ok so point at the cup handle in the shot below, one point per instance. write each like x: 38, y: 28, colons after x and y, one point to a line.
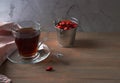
x: 43, y: 40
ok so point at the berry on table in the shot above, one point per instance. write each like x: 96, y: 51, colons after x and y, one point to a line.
x: 49, y: 68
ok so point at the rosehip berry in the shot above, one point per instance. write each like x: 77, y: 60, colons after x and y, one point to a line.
x: 66, y: 28
x: 67, y: 23
x: 62, y: 23
x: 74, y: 25
x: 58, y: 26
x: 49, y: 68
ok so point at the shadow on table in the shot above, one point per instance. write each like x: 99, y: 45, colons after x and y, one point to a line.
x: 3, y: 68
x: 54, y: 60
x: 86, y: 43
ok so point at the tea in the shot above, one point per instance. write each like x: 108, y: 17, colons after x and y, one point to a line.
x: 27, y: 40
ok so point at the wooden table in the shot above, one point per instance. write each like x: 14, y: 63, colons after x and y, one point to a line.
x: 95, y: 58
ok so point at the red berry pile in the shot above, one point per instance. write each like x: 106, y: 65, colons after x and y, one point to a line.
x: 66, y: 25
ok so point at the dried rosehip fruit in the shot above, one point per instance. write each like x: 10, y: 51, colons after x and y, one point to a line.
x: 62, y: 23
x: 66, y: 28
x: 49, y: 68
x: 58, y: 26
x: 75, y: 25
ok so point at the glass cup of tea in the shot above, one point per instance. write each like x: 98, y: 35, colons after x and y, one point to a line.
x: 27, y: 36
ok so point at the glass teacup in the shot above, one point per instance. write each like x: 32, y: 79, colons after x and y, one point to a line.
x: 30, y: 48
x: 27, y: 38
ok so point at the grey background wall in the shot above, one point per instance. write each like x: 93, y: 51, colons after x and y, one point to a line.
x: 94, y: 15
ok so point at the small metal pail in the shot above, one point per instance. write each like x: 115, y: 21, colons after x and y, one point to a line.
x: 66, y: 38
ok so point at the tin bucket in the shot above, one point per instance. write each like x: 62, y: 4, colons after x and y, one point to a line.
x: 66, y: 38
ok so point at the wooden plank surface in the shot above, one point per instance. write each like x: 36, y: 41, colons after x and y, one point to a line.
x: 95, y: 58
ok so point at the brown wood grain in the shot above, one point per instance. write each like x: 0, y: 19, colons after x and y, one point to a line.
x: 94, y: 58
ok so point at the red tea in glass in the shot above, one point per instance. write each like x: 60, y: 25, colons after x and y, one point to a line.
x: 27, y: 40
